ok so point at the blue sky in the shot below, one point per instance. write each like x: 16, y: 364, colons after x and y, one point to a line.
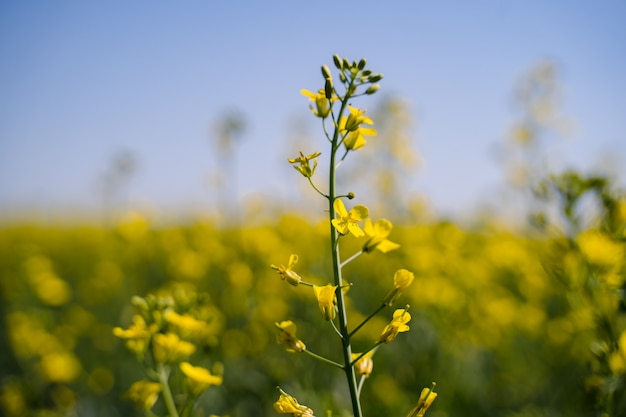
x: 81, y: 81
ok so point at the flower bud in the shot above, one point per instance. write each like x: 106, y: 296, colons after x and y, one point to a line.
x: 326, y: 72
x: 328, y: 88
x: 372, y: 89
x: 401, y: 281
x: 362, y: 63
x: 338, y: 62
x: 375, y: 78
x: 350, y: 195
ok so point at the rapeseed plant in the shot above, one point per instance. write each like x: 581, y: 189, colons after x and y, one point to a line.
x: 345, y: 126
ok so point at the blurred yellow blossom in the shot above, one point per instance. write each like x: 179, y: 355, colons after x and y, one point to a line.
x: 347, y: 221
x: 287, y: 336
x: 327, y: 299
x: 600, y: 249
x: 144, y: 393
x: 61, y: 367
x: 377, y: 233
x: 287, y: 404
x: 186, y: 325
x: 397, y: 325
x: 136, y: 336
x: 365, y: 364
x: 199, y: 379
x: 170, y: 348
x: 287, y: 273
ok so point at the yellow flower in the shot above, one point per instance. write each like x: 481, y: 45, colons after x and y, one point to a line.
x: 286, y: 272
x: 398, y: 325
x: 199, y: 379
x: 364, y: 365
x: 186, y: 325
x: 427, y: 397
x: 287, y: 336
x: 61, y: 367
x: 136, y: 336
x: 600, y: 249
x: 305, y: 167
x: 378, y: 233
x: 287, y: 404
x: 327, y: 299
x: 144, y: 393
x: 401, y: 281
x: 322, y: 104
x: 347, y: 221
x: 170, y: 348
x: 351, y: 127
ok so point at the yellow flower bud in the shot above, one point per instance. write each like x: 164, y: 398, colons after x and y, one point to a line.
x: 401, y: 281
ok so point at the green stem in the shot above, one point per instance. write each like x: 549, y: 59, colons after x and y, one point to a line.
x: 323, y: 359
x: 350, y: 259
x: 167, y: 394
x: 316, y: 189
x: 365, y: 353
x: 334, y: 237
x: 367, y: 319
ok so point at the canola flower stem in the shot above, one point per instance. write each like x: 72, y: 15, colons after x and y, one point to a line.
x: 360, y: 387
x: 316, y: 189
x: 323, y: 359
x: 336, y: 260
x: 167, y: 394
x: 365, y: 353
x: 367, y: 319
x: 336, y: 329
x: 350, y: 259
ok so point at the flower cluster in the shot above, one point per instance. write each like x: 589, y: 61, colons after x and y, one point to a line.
x: 163, y: 338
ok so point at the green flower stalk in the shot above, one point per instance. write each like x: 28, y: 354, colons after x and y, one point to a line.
x: 346, y: 128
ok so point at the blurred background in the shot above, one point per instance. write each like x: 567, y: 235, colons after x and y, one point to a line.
x: 131, y: 95
x: 144, y: 147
